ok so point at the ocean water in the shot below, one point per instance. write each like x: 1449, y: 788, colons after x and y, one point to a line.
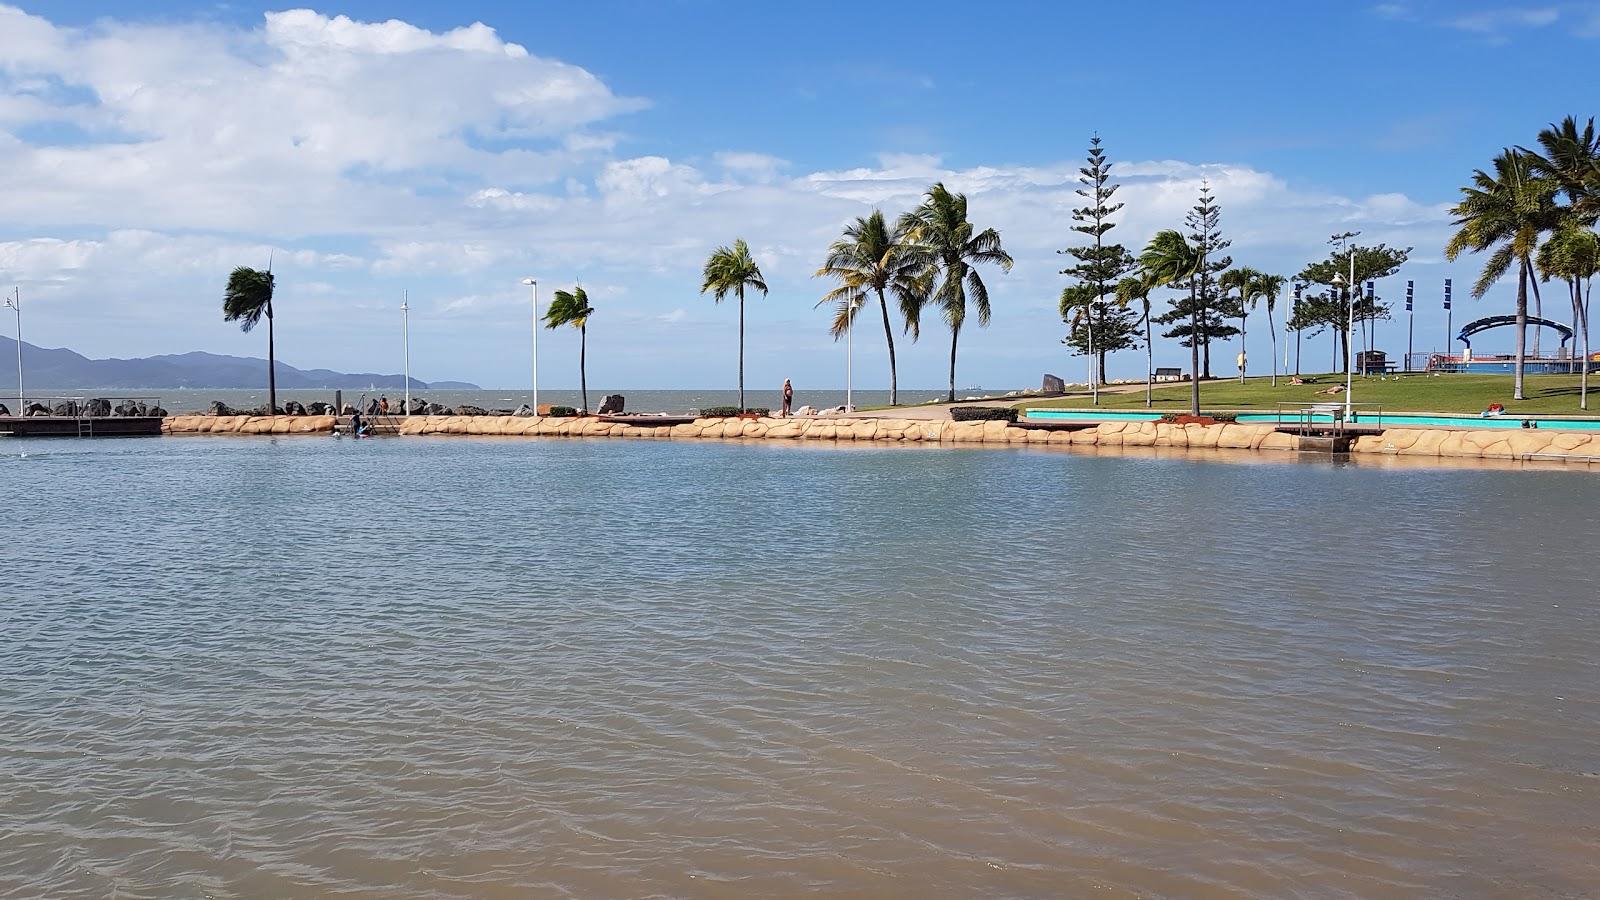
x: 676, y: 401
x: 250, y: 667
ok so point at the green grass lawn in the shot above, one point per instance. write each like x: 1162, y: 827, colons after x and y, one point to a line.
x: 1548, y: 394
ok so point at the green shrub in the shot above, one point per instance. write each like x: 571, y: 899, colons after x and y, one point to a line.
x: 727, y: 412
x: 983, y: 413
x: 563, y: 412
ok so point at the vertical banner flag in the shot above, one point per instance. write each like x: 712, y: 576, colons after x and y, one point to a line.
x: 1369, y: 291
x: 1408, y: 296
x: 1447, y: 293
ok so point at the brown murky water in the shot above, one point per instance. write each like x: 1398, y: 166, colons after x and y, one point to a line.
x: 309, y: 667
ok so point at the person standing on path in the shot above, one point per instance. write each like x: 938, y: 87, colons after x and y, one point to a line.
x: 788, y: 398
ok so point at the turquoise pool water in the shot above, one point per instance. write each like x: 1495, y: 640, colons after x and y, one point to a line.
x: 1400, y: 420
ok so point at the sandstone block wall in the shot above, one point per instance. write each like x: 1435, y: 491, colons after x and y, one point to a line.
x: 247, y: 425
x: 1543, y: 443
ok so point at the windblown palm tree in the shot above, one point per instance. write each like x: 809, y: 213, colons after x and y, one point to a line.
x: 574, y: 309
x: 1243, y: 280
x: 246, y: 299
x: 1505, y: 212
x: 1167, y: 260
x: 1267, y: 288
x: 1572, y: 255
x: 1137, y: 288
x: 1571, y: 156
x: 731, y: 270
x: 871, y: 258
x: 940, y: 225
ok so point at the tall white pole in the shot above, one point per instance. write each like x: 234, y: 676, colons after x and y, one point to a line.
x: 849, y: 359
x: 16, y: 306
x: 534, y: 283
x: 1350, y: 334
x: 405, y: 342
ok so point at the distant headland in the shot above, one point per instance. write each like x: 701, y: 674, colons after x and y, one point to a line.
x: 61, y: 369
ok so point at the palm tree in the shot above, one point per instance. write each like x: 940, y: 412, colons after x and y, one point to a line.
x: 1127, y: 291
x: 1242, y: 279
x: 245, y: 300
x: 1572, y: 254
x: 940, y: 225
x: 1572, y: 157
x: 1167, y: 260
x: 732, y: 269
x: 574, y: 309
x: 1506, y: 211
x: 870, y: 257
x: 1268, y: 287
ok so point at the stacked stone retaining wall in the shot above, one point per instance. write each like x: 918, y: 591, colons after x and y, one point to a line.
x: 1485, y: 444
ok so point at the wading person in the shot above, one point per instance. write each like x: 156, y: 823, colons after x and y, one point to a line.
x: 788, y: 398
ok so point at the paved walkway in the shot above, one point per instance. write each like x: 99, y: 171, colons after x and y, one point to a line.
x: 941, y: 411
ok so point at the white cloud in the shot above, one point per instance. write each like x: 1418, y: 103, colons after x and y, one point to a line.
x: 370, y: 158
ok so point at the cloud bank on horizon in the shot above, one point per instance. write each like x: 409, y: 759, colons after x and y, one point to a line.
x: 139, y: 162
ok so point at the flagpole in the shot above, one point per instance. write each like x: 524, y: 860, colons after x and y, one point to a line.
x: 405, y: 342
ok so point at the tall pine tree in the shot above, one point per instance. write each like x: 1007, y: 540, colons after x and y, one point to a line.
x: 1214, y: 309
x: 1094, y: 317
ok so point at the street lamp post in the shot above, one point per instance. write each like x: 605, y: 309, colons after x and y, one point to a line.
x: 534, y: 283
x: 405, y: 343
x: 849, y: 359
x: 15, y: 302
x: 1350, y: 324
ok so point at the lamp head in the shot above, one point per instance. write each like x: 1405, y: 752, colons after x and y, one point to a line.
x: 530, y: 281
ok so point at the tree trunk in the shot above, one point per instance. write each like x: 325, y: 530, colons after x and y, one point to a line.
x: 1102, y: 355
x: 583, y: 366
x: 1344, y: 350
x: 272, y: 366
x: 1272, y: 328
x: 1149, y: 357
x: 1583, y: 370
x: 955, y: 334
x: 1194, y: 355
x: 741, y: 348
x: 1538, y: 312
x: 1522, y: 328
x: 1577, y: 299
x: 888, y: 336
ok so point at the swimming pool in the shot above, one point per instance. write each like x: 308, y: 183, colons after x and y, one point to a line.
x: 1397, y: 420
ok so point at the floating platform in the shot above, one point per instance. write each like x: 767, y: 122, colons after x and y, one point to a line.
x: 80, y: 426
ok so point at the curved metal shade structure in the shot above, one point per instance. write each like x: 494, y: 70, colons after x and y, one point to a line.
x: 1488, y: 322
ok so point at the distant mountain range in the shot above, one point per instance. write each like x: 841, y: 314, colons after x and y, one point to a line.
x: 45, y: 369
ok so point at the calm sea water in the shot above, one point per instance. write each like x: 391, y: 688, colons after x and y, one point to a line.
x: 176, y: 401
x: 458, y: 667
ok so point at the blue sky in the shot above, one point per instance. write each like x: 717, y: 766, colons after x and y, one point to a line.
x: 145, y: 148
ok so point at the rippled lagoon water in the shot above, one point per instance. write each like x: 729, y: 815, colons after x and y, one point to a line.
x: 455, y: 667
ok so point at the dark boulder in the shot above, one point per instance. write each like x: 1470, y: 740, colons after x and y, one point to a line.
x: 524, y: 411
x: 294, y: 408
x: 418, y: 407
x: 469, y: 410
x: 435, y: 409
x: 36, y: 409
x: 65, y: 408
x: 4, y: 410
x: 218, y: 408
x: 349, y: 410
x: 157, y: 411
x: 125, y: 409
x: 612, y: 405
x: 1053, y: 385
x: 319, y: 409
